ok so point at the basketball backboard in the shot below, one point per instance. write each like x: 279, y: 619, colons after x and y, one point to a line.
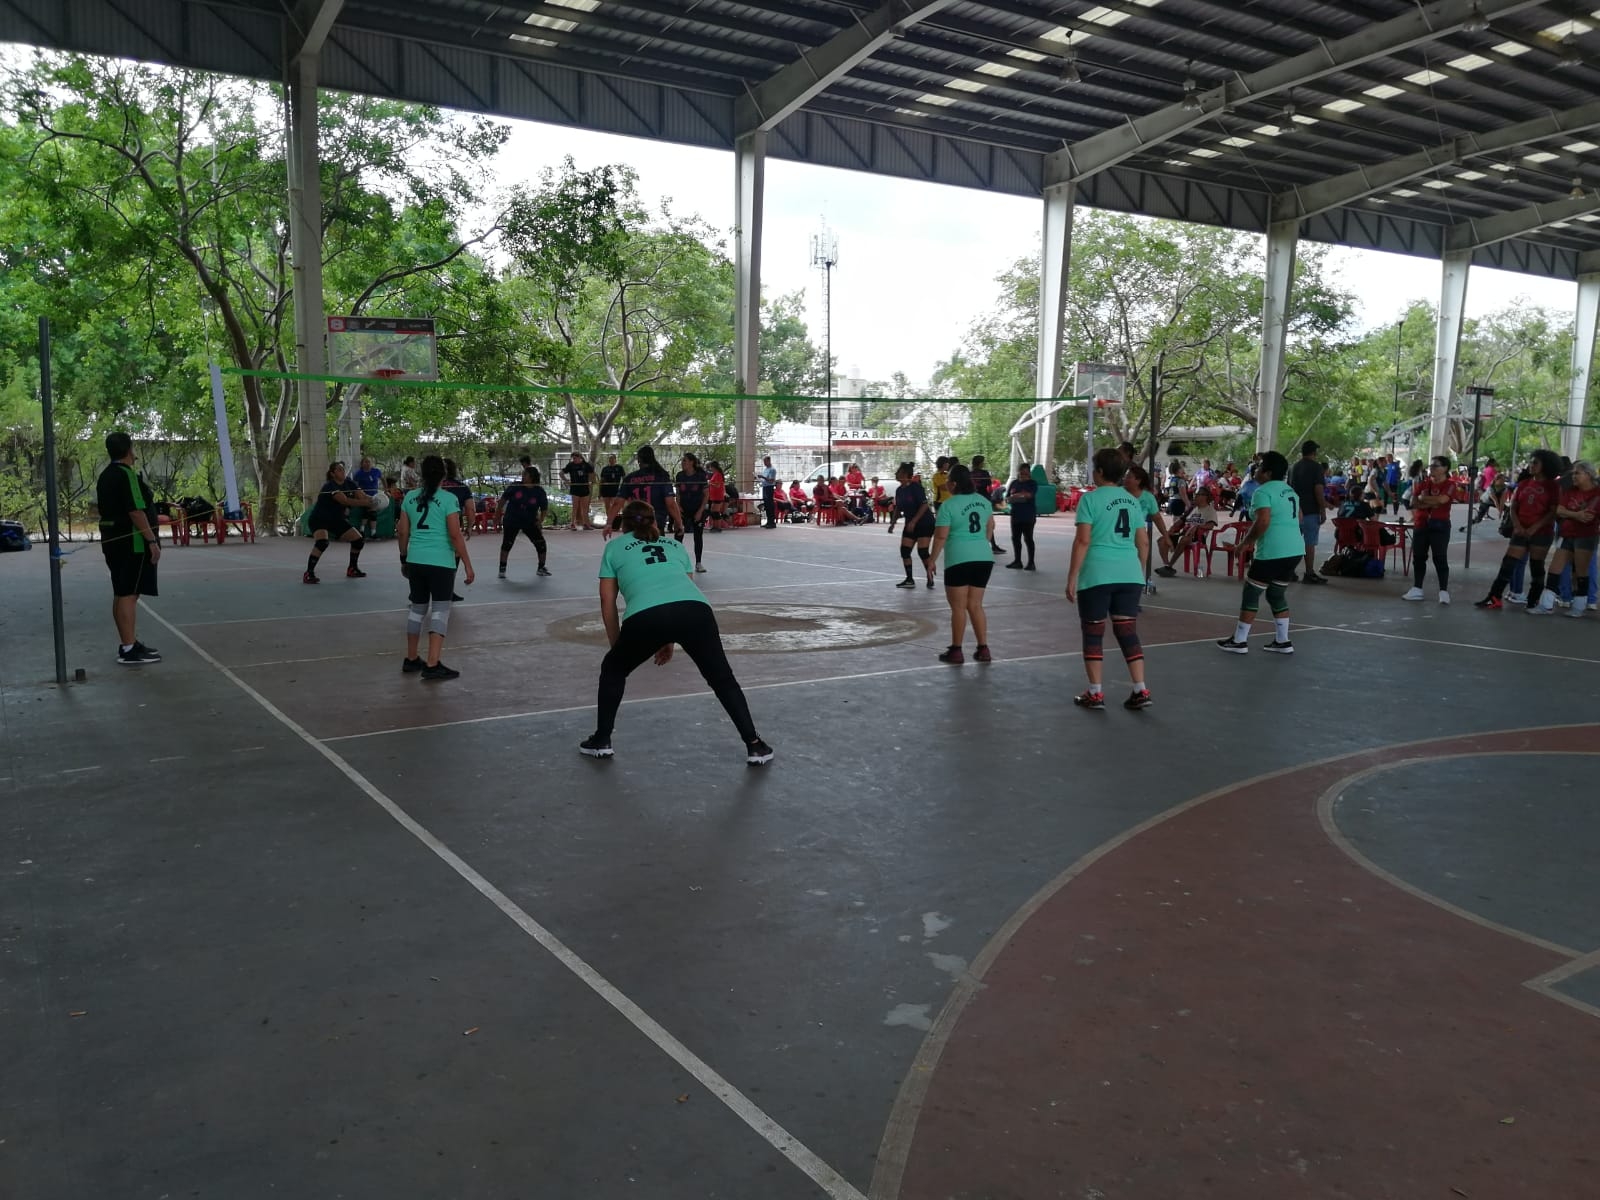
x: 1102, y: 381
x: 383, y: 348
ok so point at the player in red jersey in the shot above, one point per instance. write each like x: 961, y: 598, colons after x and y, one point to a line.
x: 1533, y: 516
x: 1578, y: 525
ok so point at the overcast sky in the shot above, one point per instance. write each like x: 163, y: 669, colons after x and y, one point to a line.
x: 917, y: 261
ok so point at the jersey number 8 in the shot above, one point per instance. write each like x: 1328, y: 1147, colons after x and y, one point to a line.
x: 974, y: 523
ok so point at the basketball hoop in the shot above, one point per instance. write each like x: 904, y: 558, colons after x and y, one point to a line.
x: 1107, y: 402
x: 387, y: 373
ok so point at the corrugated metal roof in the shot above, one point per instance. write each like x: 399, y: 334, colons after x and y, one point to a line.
x: 975, y: 94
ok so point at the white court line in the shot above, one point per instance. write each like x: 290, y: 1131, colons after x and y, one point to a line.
x: 1400, y: 637
x: 780, y: 1139
x: 754, y: 687
x: 474, y: 605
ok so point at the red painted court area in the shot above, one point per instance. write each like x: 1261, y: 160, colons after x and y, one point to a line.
x: 1319, y: 926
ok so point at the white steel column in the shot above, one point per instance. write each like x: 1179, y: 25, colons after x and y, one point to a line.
x: 1283, y: 239
x: 750, y: 175
x: 1457, y: 267
x: 1582, y: 362
x: 305, y: 235
x: 1055, y: 261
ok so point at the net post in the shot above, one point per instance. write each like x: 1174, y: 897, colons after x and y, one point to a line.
x: 233, y: 508
x: 52, y: 500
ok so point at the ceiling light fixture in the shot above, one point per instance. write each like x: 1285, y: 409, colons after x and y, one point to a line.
x: 1191, y: 92
x: 1476, y: 22
x: 1069, y: 67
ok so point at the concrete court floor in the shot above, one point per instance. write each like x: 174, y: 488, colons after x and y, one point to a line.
x: 276, y: 921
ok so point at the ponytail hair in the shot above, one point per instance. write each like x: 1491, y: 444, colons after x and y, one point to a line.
x: 638, y: 519
x: 961, y: 480
x: 432, y: 477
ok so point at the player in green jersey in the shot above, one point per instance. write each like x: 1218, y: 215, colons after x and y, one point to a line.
x: 431, y: 540
x: 1107, y: 577
x: 1277, y: 544
x: 964, y: 534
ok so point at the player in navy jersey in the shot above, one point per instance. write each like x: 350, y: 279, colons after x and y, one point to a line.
x: 522, y: 511
x: 694, y: 502
x: 911, y: 505
x: 651, y: 484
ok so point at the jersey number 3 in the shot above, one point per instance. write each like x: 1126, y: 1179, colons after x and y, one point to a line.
x: 655, y: 554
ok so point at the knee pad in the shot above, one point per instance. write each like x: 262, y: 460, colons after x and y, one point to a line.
x: 439, y: 618
x: 1252, y: 598
x: 1094, y: 640
x: 355, y: 546
x: 905, y: 555
x: 924, y: 554
x: 1278, y: 599
x: 414, y: 618
x: 321, y: 544
x: 1126, y: 630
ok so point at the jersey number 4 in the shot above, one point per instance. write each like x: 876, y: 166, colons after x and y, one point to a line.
x: 1124, y: 524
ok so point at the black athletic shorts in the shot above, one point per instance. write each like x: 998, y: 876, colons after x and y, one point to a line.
x: 580, y: 493
x: 437, y: 584
x: 336, y: 525
x: 1547, y: 538
x: 923, y: 530
x: 132, y: 574
x: 968, y: 574
x: 1109, y: 600
x: 1262, y: 571
x: 1583, y: 545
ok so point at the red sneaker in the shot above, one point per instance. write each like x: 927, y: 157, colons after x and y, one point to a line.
x: 983, y: 655
x: 308, y: 577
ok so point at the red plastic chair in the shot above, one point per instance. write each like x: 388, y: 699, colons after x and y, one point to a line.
x: 1230, y: 546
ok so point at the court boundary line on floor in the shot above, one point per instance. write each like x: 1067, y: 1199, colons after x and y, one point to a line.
x: 900, y: 1130
x: 764, y: 1126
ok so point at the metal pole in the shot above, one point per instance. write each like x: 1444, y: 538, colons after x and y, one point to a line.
x: 1472, y: 474
x: 52, y: 500
x: 827, y: 344
x: 1516, y: 439
x: 1398, y: 330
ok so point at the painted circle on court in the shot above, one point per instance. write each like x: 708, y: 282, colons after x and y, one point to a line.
x: 780, y: 628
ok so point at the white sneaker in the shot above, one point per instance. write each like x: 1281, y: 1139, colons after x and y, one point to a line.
x: 1517, y: 598
x: 1444, y: 598
x: 1414, y: 594
x: 1580, y: 605
x: 1541, y: 609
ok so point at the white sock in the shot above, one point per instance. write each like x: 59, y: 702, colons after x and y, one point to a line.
x: 1096, y: 689
x: 1242, y: 633
x: 128, y: 647
x: 1283, y: 628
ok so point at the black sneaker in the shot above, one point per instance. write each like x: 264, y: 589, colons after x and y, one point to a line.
x: 1013, y: 566
x: 456, y: 598
x: 542, y: 571
x: 1094, y: 701
x: 410, y: 666
x: 1166, y: 572
x: 907, y: 582
x: 595, y: 746
x: 439, y: 672
x: 308, y: 577
x: 996, y: 549
x: 1139, y: 699
x: 354, y: 573
x: 757, y: 752
x: 1030, y: 567
x: 1232, y: 647
x: 1277, y: 647
x: 930, y: 583
x: 137, y: 655
x: 1315, y: 579
x: 953, y: 656
x: 502, y: 574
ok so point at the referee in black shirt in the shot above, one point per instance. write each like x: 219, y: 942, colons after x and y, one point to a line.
x: 129, y: 543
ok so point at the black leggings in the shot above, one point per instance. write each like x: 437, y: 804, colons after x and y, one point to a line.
x: 692, y: 625
x: 508, y: 539
x: 697, y: 526
x: 1021, y: 531
x: 1437, y: 542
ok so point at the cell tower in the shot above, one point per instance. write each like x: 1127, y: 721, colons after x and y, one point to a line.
x: 824, y: 257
